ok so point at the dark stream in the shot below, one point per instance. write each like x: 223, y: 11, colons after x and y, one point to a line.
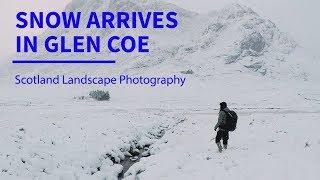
x: 129, y: 161
x: 136, y: 156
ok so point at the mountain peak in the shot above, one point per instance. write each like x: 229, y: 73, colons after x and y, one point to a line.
x: 233, y: 35
x: 234, y: 11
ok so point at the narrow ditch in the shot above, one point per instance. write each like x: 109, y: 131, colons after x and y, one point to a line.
x: 128, y: 161
x: 137, y: 154
x: 136, y: 151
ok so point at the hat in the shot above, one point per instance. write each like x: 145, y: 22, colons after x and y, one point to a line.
x: 223, y: 104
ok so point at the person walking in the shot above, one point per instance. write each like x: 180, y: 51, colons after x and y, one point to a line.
x: 222, y: 127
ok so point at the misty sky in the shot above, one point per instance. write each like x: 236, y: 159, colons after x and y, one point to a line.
x: 296, y: 17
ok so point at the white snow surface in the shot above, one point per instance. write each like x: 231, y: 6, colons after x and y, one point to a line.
x: 237, y: 56
x: 54, y: 136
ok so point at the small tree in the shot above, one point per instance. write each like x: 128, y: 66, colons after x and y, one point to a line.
x: 100, y: 95
x: 187, y: 72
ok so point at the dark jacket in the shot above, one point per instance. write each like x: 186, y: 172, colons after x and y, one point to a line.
x: 222, y: 118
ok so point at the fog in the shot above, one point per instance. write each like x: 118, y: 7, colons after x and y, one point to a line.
x: 8, y: 12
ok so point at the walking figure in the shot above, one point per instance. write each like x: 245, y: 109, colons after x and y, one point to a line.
x: 227, y: 121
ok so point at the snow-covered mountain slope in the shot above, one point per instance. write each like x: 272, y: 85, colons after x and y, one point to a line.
x: 231, y: 40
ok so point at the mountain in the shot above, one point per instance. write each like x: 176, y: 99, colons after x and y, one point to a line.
x: 231, y: 40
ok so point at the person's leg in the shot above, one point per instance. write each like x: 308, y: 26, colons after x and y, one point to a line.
x: 225, y: 139
x: 219, y: 136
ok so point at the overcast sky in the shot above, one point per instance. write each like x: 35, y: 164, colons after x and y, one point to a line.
x: 298, y: 18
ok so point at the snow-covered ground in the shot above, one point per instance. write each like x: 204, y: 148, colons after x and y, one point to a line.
x: 267, y: 145
x: 236, y: 56
x: 47, y: 134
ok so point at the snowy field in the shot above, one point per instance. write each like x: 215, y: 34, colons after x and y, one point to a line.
x: 234, y: 54
x: 48, y: 134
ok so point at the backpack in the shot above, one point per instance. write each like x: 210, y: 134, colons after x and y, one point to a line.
x: 231, y: 121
